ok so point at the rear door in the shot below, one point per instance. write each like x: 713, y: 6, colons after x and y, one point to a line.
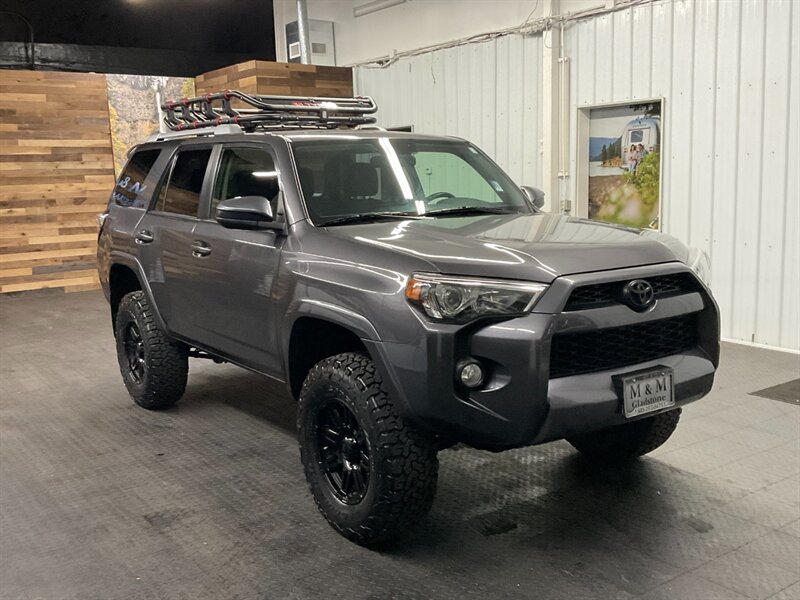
x: 164, y: 237
x: 236, y: 272
x: 127, y: 205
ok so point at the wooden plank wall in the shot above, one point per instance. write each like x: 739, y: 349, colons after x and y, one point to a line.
x: 56, y: 162
x: 56, y: 173
x: 286, y: 79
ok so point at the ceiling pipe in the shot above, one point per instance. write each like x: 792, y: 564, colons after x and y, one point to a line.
x: 374, y: 6
x: 303, y: 33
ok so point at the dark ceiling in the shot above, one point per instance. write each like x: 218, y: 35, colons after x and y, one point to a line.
x: 227, y: 28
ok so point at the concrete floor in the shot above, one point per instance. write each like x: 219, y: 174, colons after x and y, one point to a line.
x: 101, y: 499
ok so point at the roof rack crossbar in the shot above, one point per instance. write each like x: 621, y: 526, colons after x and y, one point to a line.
x: 268, y: 112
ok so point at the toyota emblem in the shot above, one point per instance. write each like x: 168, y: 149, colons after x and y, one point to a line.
x: 638, y: 294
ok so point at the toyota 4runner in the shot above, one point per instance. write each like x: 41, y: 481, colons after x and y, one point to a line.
x: 408, y: 293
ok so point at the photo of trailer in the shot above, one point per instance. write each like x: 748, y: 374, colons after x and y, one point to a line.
x: 644, y: 132
x: 623, y: 174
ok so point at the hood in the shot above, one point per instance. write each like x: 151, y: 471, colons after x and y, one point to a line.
x: 533, y: 247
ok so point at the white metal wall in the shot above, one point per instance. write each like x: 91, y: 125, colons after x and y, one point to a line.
x: 728, y: 71
x: 488, y: 93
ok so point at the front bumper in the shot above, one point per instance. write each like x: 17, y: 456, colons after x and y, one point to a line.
x: 520, y: 404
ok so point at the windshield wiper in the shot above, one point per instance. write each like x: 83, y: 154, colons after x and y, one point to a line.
x: 459, y: 211
x: 369, y: 217
x: 471, y: 210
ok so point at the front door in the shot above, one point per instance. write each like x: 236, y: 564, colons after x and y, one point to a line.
x: 236, y: 272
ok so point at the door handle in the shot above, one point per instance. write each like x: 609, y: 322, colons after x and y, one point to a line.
x: 200, y: 249
x: 143, y: 236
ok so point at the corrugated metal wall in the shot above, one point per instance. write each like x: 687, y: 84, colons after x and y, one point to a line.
x: 728, y: 71
x: 488, y: 93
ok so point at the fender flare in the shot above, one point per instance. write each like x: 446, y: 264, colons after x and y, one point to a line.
x: 327, y: 311
x: 128, y: 260
x: 352, y: 321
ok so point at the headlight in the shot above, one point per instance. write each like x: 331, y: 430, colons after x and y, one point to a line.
x: 462, y: 299
x: 699, y: 262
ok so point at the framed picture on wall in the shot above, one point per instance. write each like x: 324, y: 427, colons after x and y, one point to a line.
x: 619, y: 163
x: 134, y: 107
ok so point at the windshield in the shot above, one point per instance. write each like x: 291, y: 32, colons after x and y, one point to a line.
x: 344, y: 180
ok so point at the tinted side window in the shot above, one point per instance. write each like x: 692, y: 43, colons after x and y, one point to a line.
x: 130, y: 185
x: 181, y: 194
x: 245, y: 172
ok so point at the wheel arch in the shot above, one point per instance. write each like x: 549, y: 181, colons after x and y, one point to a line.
x: 125, y: 275
x: 359, y: 333
x: 312, y: 339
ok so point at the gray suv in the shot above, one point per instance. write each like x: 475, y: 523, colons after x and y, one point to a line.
x: 408, y: 293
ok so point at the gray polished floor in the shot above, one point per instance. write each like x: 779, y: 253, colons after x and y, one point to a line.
x: 99, y: 499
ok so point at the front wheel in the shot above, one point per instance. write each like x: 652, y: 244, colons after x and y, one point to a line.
x: 372, y: 475
x: 626, y: 442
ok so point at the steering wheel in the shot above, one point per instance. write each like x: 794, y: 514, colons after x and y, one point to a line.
x: 437, y: 197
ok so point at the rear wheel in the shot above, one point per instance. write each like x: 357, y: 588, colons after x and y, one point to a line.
x: 154, y: 368
x: 372, y: 475
x: 626, y: 442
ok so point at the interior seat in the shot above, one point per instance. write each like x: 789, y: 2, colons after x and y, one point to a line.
x: 360, y: 187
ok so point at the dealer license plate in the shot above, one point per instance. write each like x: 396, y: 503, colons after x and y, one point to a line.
x: 646, y: 391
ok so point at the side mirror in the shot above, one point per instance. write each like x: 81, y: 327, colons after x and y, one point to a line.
x: 245, y: 212
x: 535, y: 196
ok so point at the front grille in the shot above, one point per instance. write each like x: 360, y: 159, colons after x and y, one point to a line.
x: 602, y: 349
x: 599, y: 295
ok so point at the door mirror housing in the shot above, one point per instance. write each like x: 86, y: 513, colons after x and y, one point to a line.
x: 535, y: 197
x: 245, y: 212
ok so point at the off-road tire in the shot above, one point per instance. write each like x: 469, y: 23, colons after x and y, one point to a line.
x: 626, y: 442
x: 403, y: 466
x: 165, y: 363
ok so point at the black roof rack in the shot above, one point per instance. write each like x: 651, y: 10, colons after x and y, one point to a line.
x: 268, y: 112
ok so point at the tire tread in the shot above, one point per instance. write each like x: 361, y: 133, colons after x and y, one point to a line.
x: 629, y: 441
x: 408, y: 465
x: 167, y: 361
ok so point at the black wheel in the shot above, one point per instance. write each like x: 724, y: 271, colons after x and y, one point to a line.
x: 154, y: 368
x: 371, y: 474
x: 629, y: 441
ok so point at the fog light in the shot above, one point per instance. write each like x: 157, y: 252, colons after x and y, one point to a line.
x: 470, y: 374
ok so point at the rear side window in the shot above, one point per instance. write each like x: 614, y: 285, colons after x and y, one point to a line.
x: 130, y: 187
x: 181, y: 194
